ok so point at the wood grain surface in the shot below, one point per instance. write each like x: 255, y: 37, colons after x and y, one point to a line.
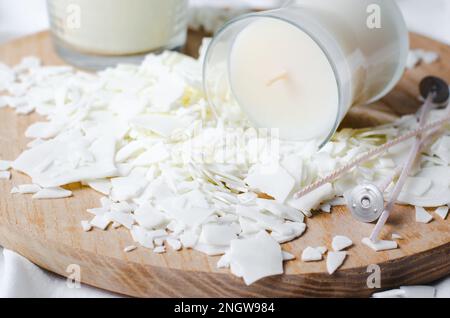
x: 48, y: 232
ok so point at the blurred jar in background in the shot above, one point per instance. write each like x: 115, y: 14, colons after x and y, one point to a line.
x: 95, y: 34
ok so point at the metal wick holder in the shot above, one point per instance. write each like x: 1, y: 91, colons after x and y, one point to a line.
x: 366, y: 203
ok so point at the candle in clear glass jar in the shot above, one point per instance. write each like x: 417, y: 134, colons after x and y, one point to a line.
x: 301, y: 67
x: 116, y: 28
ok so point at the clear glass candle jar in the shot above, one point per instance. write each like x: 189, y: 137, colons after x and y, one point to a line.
x: 301, y: 67
x: 95, y: 34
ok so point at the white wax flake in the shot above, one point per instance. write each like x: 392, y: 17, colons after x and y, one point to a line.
x: 430, y: 57
x: 280, y: 210
x: 335, y: 260
x: 313, y: 199
x: 210, y: 250
x: 5, y: 165
x: 248, y: 226
x: 341, y: 242
x: 116, y: 225
x: 168, y: 90
x: 288, y: 256
x: 174, y: 244
x: 3, y: 102
x: 311, y: 254
x: 296, y: 229
x: 394, y: 293
x: 408, y: 292
x: 439, y: 193
x: 159, y: 250
x: 156, y: 154
x: 188, y: 239
x: 294, y: 166
x: 419, y: 291
x: 268, y: 221
x: 102, y: 186
x: 417, y: 186
x: 121, y: 218
x: 100, y: 222
x: 126, y: 188
x: 412, y: 60
x: 422, y: 216
x: 218, y: 234
x: 195, y: 198
x: 98, y: 211
x: 43, y: 130
x: 325, y: 208
x: 386, y: 163
x: 380, y: 245
x: 51, y: 163
x: 442, y: 212
x: 86, y: 226
x: 322, y: 249
x: 162, y: 125
x: 252, y: 262
x: 247, y: 197
x: 26, y: 189
x: 106, y: 202
x: 129, y: 248
x: 149, y: 217
x: 396, y: 236
x: 441, y: 149
x: 130, y: 150
x: 275, y: 182
x: 140, y: 236
x: 127, y: 105
x: 191, y: 217
x: 27, y: 63
x: 52, y: 193
x: 123, y: 207
x: 419, y: 55
x: 339, y: 201
x: 224, y: 261
x: 5, y: 175
x: 159, y: 241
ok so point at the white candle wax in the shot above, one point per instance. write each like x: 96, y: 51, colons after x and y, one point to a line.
x: 288, y: 84
x: 119, y: 27
x: 301, y: 67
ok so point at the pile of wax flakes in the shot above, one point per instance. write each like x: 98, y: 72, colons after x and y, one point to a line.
x: 179, y: 175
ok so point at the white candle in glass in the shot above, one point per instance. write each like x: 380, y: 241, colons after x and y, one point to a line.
x: 117, y: 27
x: 301, y: 67
x: 278, y: 92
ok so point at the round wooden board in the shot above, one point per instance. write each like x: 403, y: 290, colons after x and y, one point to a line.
x: 49, y: 232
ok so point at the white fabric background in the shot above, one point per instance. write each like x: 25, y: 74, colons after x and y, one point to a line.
x: 19, y: 277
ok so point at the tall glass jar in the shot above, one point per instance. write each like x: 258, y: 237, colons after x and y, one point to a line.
x: 95, y: 34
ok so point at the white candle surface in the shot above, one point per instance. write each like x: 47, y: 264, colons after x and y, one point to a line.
x: 301, y: 67
x: 118, y: 27
x: 282, y: 79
